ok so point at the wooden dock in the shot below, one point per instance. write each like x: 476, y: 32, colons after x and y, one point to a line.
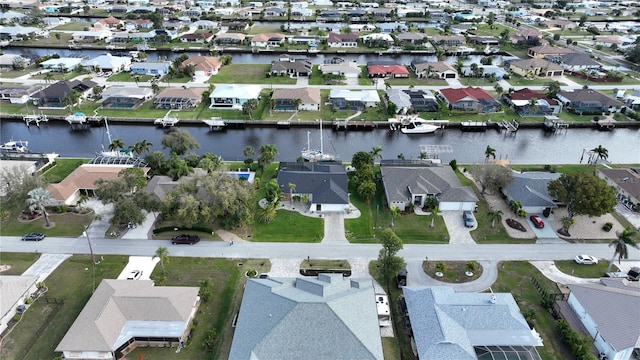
x: 354, y: 125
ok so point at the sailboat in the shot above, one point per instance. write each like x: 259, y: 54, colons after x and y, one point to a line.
x: 126, y: 152
x: 310, y: 154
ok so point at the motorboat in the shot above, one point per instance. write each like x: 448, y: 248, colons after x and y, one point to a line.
x: 18, y: 146
x: 412, y: 124
x: 418, y: 127
x: 77, y: 118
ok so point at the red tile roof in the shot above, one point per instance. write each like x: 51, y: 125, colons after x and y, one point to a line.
x: 387, y: 69
x: 528, y: 94
x: 454, y: 95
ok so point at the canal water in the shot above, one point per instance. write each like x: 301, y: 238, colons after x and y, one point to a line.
x: 525, y: 146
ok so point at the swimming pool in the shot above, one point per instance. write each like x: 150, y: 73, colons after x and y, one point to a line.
x: 243, y: 175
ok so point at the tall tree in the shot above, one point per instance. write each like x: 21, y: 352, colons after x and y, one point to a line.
x: 249, y: 107
x: 162, y: 253
x: 367, y: 190
x: 180, y: 142
x: 361, y: 159
x: 621, y: 246
x: 268, y: 153
x: 489, y: 152
x: 376, y: 152
x: 116, y: 144
x: 491, y: 177
x: 601, y: 153
x: 16, y: 182
x: 142, y: 147
x: 395, y: 212
x: 38, y: 200
x: 231, y: 206
x: 584, y: 194
x: 552, y: 88
x: 389, y: 262
x: 495, y: 215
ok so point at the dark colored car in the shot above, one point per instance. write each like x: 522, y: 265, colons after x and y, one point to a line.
x: 537, y: 222
x: 185, y: 239
x: 469, y: 221
x: 33, y: 237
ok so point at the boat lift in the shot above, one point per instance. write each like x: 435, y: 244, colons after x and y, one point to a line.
x: 215, y: 124
x: 167, y: 121
x: 34, y: 119
x: 433, y: 152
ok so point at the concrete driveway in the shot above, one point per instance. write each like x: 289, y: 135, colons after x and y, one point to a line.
x: 417, y: 277
x: 458, y: 233
x: 334, y: 228
x: 144, y: 263
x: 45, y: 265
x: 547, y: 232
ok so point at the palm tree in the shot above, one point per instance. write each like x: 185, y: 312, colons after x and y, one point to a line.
x: 495, y: 215
x: 533, y: 106
x: 116, y: 144
x: 376, y: 153
x: 205, y: 289
x: 82, y: 200
x: 249, y: 107
x: 292, y: 188
x: 162, y: 253
x: 48, y: 77
x: 268, y: 212
x: 601, y: 153
x: 489, y: 152
x: 395, y: 212
x: 38, y: 199
x: 625, y: 239
x: 142, y: 147
x: 434, y: 213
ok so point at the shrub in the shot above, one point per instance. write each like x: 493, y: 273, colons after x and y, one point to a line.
x: 62, y: 209
x: 607, y: 226
x: 546, y: 212
x: 441, y: 267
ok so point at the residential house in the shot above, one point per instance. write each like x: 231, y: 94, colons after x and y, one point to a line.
x: 412, y: 38
x: 273, y: 12
x: 391, y: 27
x: 15, y: 290
x: 545, y: 50
x: 302, y: 12
x: 576, y: 62
x: 416, y: 100
x: 626, y: 181
x: 530, y: 68
x: 120, y: 97
x: 204, y: 66
x: 10, y: 61
x: 54, y: 95
x: 526, y: 36
x: 232, y: 97
x: 123, y: 314
x: 560, y: 24
x: 311, y: 40
x: 142, y: 24
x: 10, y: 16
x: 324, y: 184
x: 108, y: 62
x: 521, y: 101
x: 460, y: 29
x: 307, y: 98
x: 196, y: 37
x: 92, y: 35
x: 377, y: 40
x: 448, y: 41
x: 194, y: 12
x: 108, y: 23
x: 469, y: 99
x: 17, y: 33
x: 342, y: 40
x: 205, y: 25
x: 347, y: 69
x: 326, y: 317
x: 61, y: 64
x: 530, y: 189
x: 267, y: 40
x: 292, y: 67
x: 353, y: 99
x: 467, y: 326
x: 615, y: 329
x: 160, y: 68
x: 386, y: 69
x: 619, y: 41
x: 178, y: 98
x: 410, y: 183
x: 632, y: 100
x: 588, y: 101
x: 439, y: 69
x: 19, y: 94
x: 229, y: 38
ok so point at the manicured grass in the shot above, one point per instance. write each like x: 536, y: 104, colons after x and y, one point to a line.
x: 455, y: 271
x: 485, y: 30
x: 515, y: 277
x: 128, y: 77
x: 470, y: 81
x: 570, y: 267
x: 413, y: 80
x: 248, y: 74
x: 416, y: 229
x: 288, y: 226
x: 627, y: 80
x: 266, y: 29
x: 44, y: 324
x: 62, y: 168
x: 316, y: 76
x: 72, y: 26
x: 19, y: 262
x: 66, y: 225
x: 569, y: 116
x: 517, y: 80
x: 12, y: 74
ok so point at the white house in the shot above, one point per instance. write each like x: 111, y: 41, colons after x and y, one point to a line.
x: 349, y: 70
x: 353, y: 99
x: 61, y: 64
x: 232, y: 97
x: 109, y: 62
x: 92, y: 35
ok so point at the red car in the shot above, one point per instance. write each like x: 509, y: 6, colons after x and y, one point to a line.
x: 537, y: 222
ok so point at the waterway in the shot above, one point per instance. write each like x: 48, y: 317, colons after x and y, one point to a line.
x: 525, y: 146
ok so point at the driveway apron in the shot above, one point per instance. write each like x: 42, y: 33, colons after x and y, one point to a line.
x: 334, y: 228
x: 458, y: 233
x: 45, y: 265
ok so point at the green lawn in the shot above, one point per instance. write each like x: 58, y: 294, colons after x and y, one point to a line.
x: 288, y: 226
x: 248, y: 74
x: 485, y: 30
x: 517, y: 80
x: 72, y: 26
x: 266, y: 29
x: 570, y: 267
x: 12, y: 74
x: 19, y: 262
x: 62, y: 168
x: 128, y: 77
x: 471, y: 81
x: 44, y: 324
x: 66, y: 225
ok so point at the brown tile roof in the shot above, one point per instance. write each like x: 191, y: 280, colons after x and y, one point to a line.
x: 203, y: 62
x: 306, y: 95
x: 267, y: 37
x: 84, y: 177
x: 190, y: 93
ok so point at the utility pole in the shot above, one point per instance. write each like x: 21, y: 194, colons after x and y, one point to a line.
x: 93, y: 259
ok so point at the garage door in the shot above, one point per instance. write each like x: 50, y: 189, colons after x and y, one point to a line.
x: 450, y: 76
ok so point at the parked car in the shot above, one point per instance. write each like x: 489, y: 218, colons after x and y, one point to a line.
x: 586, y: 259
x: 469, y: 220
x: 185, y: 239
x: 33, y: 237
x: 134, y: 275
x: 537, y: 222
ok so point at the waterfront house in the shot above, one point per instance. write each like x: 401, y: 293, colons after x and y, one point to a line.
x: 142, y: 24
x: 342, y: 40
x: 54, y: 95
x: 614, y: 329
x: 576, y: 62
x: 588, y: 101
x: 347, y: 69
x: 530, y: 189
x: 327, y: 316
x: 536, y: 67
x: 160, y: 68
x: 411, y: 38
x: 521, y: 101
x: 109, y: 23
x: 560, y: 24
x: 322, y: 184
x: 123, y: 314
x: 61, y: 64
x: 178, y: 98
x: 469, y: 99
x: 205, y: 25
x: 17, y: 33
x: 92, y: 35
x: 391, y: 27
x: 292, y: 67
x: 108, y: 62
x: 10, y: 61
x: 626, y: 181
x: 467, y: 326
x: 125, y: 97
x: 386, y: 69
x: 355, y: 100
x: 204, y: 66
x: 273, y: 12
x: 484, y: 40
x: 10, y: 16
x: 232, y: 97
x: 428, y: 69
x: 416, y: 100
x: 196, y: 37
x: 448, y: 41
x: 411, y: 182
x: 526, y: 36
x: 229, y: 38
x: 19, y: 94
x: 267, y: 40
x: 377, y: 40
x: 296, y: 99
x: 545, y: 50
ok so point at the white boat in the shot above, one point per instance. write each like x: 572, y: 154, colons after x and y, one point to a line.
x: 215, y: 124
x: 418, y: 127
x: 18, y: 146
x: 77, y: 118
x: 126, y: 152
x: 412, y: 124
x: 315, y: 155
x: 167, y: 121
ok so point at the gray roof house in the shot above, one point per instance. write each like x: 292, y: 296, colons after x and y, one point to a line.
x: 125, y: 97
x: 324, y: 183
x: 123, y: 314
x: 587, y: 101
x: 325, y: 318
x: 615, y: 328
x: 530, y: 189
x: 449, y: 325
x: 413, y: 182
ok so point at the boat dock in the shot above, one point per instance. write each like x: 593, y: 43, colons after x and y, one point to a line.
x: 553, y: 124
x: 34, y: 119
x: 354, y: 125
x: 215, y: 124
x: 509, y: 126
x: 473, y: 126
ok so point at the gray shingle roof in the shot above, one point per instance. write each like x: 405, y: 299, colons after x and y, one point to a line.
x: 614, y: 309
x: 530, y: 188
x: 329, y: 317
x: 326, y: 183
x: 447, y: 325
